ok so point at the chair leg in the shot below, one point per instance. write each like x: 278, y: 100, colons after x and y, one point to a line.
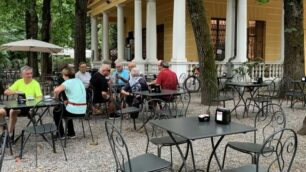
x: 223, y: 162
x: 92, y: 138
x: 121, y: 122
x: 83, y: 128
x: 65, y: 132
x: 36, y: 149
x: 21, y: 145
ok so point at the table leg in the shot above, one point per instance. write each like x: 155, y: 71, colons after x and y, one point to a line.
x: 180, y: 151
x: 213, y: 153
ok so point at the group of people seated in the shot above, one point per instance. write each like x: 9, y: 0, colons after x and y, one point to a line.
x: 72, y: 90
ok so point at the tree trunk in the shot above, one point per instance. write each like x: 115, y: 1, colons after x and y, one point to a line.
x: 80, y: 32
x: 294, y: 39
x: 204, y: 47
x: 31, y: 21
x: 46, y: 61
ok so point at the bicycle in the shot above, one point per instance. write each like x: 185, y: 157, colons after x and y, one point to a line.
x: 192, y: 83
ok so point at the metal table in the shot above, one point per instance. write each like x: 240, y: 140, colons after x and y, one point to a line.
x: 12, y: 104
x: 250, y: 85
x: 191, y: 129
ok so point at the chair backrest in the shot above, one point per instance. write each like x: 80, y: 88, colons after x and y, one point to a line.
x: 157, y: 109
x: 284, y: 85
x: 89, y: 101
x: 3, y: 142
x: 119, y: 147
x: 41, y: 114
x: 268, y: 90
x: 180, y: 104
x: 269, y: 119
x: 284, y: 145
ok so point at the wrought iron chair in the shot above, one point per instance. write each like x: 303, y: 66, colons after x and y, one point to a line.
x: 264, y: 95
x: 144, y: 162
x: 42, y: 124
x: 3, y: 124
x: 282, y: 146
x: 270, y: 118
x: 89, y: 98
x: 180, y: 104
x: 3, y: 141
x: 217, y: 96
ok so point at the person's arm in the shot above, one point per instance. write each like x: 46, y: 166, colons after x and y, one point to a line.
x: 58, y: 90
x: 11, y: 90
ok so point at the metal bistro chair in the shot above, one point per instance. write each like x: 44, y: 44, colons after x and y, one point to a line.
x: 264, y: 95
x: 269, y: 119
x: 42, y: 125
x: 120, y: 110
x: 160, y: 138
x: 144, y: 162
x: 3, y: 141
x: 89, y: 98
x: 216, y: 95
x: 282, y: 145
x: 4, y: 125
x: 180, y: 104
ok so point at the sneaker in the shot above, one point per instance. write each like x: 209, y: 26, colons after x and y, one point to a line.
x: 71, y: 136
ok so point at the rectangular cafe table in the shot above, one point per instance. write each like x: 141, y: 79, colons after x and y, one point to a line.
x: 191, y: 129
x: 12, y: 104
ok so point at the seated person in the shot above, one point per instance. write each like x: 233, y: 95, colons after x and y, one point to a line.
x: 26, y: 85
x: 76, y: 103
x: 100, y: 84
x: 83, y: 75
x: 136, y: 83
x: 121, y: 75
x: 166, y: 78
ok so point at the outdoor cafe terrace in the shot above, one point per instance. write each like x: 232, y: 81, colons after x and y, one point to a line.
x: 83, y: 155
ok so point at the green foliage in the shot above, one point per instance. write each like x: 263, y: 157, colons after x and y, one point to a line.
x: 245, y: 68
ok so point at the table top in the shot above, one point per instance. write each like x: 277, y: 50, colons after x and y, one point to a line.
x: 246, y: 84
x: 162, y: 93
x: 12, y: 104
x: 192, y: 129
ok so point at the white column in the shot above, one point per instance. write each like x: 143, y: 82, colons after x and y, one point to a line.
x: 282, y: 49
x: 138, y: 36
x: 120, y: 33
x: 230, y: 30
x: 94, y: 38
x: 151, y: 34
x: 179, y: 60
x: 105, y: 49
x: 242, y: 32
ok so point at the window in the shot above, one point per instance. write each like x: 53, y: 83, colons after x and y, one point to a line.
x: 218, y: 37
x: 256, y: 40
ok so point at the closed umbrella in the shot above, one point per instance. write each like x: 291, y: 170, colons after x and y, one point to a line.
x: 31, y: 45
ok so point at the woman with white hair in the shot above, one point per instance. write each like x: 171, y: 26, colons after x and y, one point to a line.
x: 136, y: 83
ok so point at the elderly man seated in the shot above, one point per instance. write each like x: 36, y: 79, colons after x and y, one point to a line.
x: 136, y: 83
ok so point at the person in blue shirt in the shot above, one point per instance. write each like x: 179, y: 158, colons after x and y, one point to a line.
x: 76, y: 103
x: 120, y: 75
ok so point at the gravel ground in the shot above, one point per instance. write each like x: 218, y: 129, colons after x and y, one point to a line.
x: 83, y: 156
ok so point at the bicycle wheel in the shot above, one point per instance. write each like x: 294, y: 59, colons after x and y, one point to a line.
x: 192, y: 84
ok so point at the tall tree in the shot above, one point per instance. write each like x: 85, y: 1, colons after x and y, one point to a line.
x: 31, y: 22
x: 204, y: 47
x: 80, y: 31
x: 294, y: 39
x: 46, y: 62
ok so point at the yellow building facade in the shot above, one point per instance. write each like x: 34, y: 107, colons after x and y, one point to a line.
x: 264, y: 27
